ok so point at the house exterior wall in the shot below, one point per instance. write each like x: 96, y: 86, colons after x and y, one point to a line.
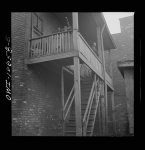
x: 36, y: 97
x: 36, y: 103
x: 50, y: 24
x: 129, y: 83
x: 125, y: 50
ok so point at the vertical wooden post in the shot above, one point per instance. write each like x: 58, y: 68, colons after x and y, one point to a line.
x: 99, y: 113
x: 102, y: 108
x: 77, y: 97
x: 113, y: 113
x: 75, y: 30
x: 105, y: 85
x: 110, y: 63
x: 106, y: 108
x: 99, y: 42
x: 95, y: 86
x: 62, y: 96
x: 77, y: 77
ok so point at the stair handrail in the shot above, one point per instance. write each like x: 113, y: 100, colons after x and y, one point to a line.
x: 69, y: 99
x: 55, y: 33
x: 89, y: 106
x: 98, y: 101
x: 69, y: 107
x: 86, y: 111
x: 89, y: 110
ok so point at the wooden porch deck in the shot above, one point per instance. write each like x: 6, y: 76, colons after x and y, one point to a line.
x: 60, y: 46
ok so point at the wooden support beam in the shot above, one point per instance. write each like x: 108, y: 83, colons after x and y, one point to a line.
x: 99, y: 113
x: 105, y: 84
x: 77, y: 93
x: 99, y: 47
x: 106, y: 108
x: 95, y: 80
x: 75, y: 20
x: 113, y: 113
x: 52, y: 57
x: 102, y: 103
x: 110, y: 64
x: 99, y: 116
x: 62, y: 97
x: 75, y: 30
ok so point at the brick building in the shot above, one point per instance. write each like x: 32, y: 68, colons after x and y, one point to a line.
x: 125, y: 51
x: 59, y: 82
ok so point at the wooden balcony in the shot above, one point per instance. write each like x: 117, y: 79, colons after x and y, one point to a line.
x: 59, y: 46
x: 90, y: 58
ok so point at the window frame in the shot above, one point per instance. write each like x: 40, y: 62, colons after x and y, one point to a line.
x: 35, y: 27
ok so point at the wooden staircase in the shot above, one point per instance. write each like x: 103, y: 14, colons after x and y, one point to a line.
x: 89, y: 105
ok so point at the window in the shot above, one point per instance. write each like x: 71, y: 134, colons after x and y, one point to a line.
x: 37, y: 24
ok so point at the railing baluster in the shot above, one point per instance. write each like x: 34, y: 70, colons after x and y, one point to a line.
x: 62, y: 42
x: 71, y: 40
x: 47, y: 45
x: 68, y: 41
x: 39, y: 49
x: 52, y: 45
x: 35, y: 48
x: 65, y: 42
x: 32, y: 47
x: 57, y: 43
x: 59, y: 40
x: 43, y: 46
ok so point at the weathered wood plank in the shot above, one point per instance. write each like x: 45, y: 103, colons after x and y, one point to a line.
x: 113, y: 112
x: 51, y: 57
x: 62, y: 97
x: 104, y: 74
x: 102, y: 102
x: 77, y: 97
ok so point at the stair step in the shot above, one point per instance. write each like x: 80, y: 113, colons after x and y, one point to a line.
x: 83, y: 104
x: 73, y: 118
x: 84, y: 108
x: 83, y: 111
x: 73, y: 126
x: 86, y: 85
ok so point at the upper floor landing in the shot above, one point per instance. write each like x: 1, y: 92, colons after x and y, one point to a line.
x: 54, y: 36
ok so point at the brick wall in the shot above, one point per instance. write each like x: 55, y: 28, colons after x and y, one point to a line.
x: 125, y: 50
x: 36, y: 103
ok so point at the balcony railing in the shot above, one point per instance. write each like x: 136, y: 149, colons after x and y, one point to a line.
x: 92, y: 58
x: 62, y: 42
x: 89, y: 54
x: 59, y: 42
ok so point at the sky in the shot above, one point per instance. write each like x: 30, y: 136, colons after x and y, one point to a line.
x: 112, y: 19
